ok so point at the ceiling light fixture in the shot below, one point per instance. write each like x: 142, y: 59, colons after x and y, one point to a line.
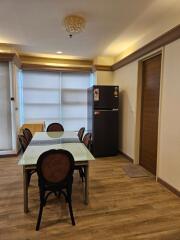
x: 74, y: 24
x: 59, y: 52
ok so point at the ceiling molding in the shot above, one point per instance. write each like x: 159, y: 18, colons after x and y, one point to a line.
x: 101, y: 68
x: 54, y: 68
x: 164, y: 39
x: 10, y: 57
x: 55, y: 64
x: 6, y: 57
x: 43, y: 60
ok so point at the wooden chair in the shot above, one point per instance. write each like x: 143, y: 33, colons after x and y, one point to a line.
x: 87, y: 143
x: 27, y: 134
x: 55, y: 127
x: 81, y: 133
x: 55, y: 175
x: 87, y: 140
x: 80, y: 136
x: 24, y: 144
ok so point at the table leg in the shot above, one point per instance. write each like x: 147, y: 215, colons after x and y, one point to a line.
x: 86, y: 192
x: 25, y: 183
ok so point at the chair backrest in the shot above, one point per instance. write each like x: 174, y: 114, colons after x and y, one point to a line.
x: 55, y: 127
x: 80, y: 133
x: 27, y: 134
x: 87, y: 140
x: 23, y: 142
x: 55, y: 167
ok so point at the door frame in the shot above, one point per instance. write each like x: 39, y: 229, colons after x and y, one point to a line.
x: 138, y: 104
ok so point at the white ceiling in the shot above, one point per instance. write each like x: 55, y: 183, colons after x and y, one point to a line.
x: 35, y: 26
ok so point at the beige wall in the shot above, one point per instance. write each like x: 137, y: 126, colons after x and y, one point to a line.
x: 126, y: 79
x: 103, y: 77
x: 169, y: 122
x: 169, y: 137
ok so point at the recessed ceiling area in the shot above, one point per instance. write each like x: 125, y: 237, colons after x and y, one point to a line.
x: 36, y: 26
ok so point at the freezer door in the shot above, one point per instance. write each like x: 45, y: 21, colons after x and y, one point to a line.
x: 106, y: 97
x: 105, y: 133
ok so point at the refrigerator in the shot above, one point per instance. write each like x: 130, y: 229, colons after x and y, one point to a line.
x: 103, y: 113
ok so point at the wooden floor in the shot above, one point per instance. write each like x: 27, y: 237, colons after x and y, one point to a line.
x: 120, y: 207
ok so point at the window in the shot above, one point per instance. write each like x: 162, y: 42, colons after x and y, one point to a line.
x: 56, y: 97
x: 74, y: 100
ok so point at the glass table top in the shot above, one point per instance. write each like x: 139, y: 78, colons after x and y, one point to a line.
x: 44, y: 141
x: 46, y: 138
x: 54, y: 135
x: 78, y: 150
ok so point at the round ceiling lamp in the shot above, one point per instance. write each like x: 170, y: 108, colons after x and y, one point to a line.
x: 74, y: 24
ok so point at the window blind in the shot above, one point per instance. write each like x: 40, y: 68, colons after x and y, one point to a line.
x: 56, y: 97
x: 74, y: 100
x: 41, y: 96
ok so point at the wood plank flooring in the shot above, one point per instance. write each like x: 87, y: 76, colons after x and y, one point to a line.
x: 120, y: 208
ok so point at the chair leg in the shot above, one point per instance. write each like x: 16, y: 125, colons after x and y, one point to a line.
x: 28, y: 177
x: 81, y: 174
x: 71, y: 212
x: 39, y: 217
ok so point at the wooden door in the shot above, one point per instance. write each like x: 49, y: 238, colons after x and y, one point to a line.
x: 151, y: 69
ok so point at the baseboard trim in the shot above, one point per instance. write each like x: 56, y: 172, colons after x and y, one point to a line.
x: 10, y: 155
x: 125, y: 155
x: 168, y: 186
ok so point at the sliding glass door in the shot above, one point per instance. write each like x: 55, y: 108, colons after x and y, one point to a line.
x: 6, y: 144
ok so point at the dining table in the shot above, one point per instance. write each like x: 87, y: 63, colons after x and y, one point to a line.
x: 44, y: 141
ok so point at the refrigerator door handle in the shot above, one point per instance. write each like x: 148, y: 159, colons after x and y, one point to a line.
x: 106, y: 110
